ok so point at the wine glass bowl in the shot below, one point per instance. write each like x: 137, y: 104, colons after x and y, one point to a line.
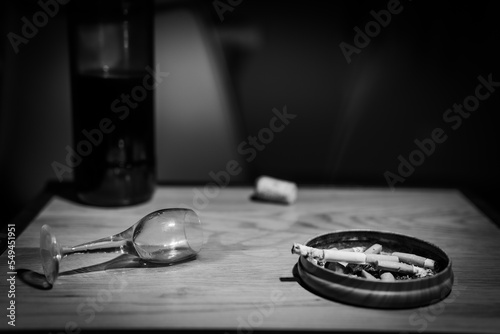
x: 164, y: 236
x: 167, y: 236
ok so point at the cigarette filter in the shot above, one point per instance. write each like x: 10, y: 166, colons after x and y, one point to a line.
x: 371, y: 258
x: 397, y: 267
x: 415, y: 259
x: 374, y: 249
x: 387, y: 277
x: 342, y: 256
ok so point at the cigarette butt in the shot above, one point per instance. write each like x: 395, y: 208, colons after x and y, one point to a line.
x: 372, y: 258
x: 387, y: 277
x: 415, y: 259
x: 344, y: 264
x: 359, y: 249
x: 307, y: 251
x: 368, y: 276
x: 374, y: 249
x: 397, y: 267
x: 275, y: 190
x: 342, y: 256
x: 328, y: 255
x: 334, y: 255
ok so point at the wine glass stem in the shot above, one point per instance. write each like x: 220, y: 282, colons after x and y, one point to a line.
x: 111, y: 244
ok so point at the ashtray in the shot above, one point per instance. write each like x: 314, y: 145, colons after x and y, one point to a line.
x: 359, y: 291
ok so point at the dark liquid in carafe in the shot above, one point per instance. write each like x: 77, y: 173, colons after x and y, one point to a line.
x: 119, y: 170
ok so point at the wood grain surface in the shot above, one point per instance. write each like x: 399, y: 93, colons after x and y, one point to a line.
x: 243, y: 278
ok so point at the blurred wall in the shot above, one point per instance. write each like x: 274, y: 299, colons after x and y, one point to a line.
x: 35, y: 118
x: 355, y: 119
x: 197, y: 121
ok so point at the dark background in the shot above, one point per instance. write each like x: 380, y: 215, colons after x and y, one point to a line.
x: 353, y: 120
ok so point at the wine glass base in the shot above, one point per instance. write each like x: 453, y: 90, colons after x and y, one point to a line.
x: 50, y: 253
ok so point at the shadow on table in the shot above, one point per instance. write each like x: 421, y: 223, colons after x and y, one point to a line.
x: 255, y: 198
x: 123, y: 261
x: 33, y: 279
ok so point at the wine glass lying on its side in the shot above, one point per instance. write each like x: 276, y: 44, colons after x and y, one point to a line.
x: 164, y: 236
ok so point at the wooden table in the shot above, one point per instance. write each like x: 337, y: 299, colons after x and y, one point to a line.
x: 242, y: 280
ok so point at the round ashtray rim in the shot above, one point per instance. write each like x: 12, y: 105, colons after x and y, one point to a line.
x: 442, y: 280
